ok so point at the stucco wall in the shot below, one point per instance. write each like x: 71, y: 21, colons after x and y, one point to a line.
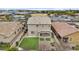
x: 37, y: 29
x: 74, y: 38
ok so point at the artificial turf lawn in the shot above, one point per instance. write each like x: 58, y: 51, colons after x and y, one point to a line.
x: 30, y: 43
x: 4, y: 46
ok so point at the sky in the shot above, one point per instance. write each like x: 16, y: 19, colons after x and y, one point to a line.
x: 54, y: 4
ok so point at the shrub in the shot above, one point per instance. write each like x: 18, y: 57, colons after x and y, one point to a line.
x: 17, y: 43
x: 12, y: 49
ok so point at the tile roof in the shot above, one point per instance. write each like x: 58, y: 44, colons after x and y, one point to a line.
x: 5, y: 13
x: 39, y: 14
x: 39, y: 20
x: 7, y: 28
x: 21, y: 13
x: 64, y: 29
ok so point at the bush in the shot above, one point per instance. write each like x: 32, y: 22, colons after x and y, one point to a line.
x: 77, y: 47
x: 13, y: 49
x: 4, y: 46
x: 17, y: 43
x: 1, y: 43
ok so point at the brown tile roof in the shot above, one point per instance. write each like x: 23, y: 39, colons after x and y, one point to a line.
x: 39, y: 20
x: 63, y: 28
x: 7, y: 28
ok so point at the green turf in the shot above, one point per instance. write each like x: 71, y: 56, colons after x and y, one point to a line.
x: 30, y: 43
x: 4, y: 46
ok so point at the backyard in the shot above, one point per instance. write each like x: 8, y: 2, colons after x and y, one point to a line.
x: 30, y: 43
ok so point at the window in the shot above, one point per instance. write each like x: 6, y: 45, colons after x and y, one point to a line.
x: 32, y: 32
x: 52, y: 44
x: 15, y: 32
x: 70, y: 39
x: 44, y: 34
x: 37, y: 25
x: 73, y: 48
x: 41, y: 39
x: 76, y: 26
x: 48, y: 39
x: 66, y: 17
x: 65, y: 39
x: 40, y: 34
x: 52, y: 49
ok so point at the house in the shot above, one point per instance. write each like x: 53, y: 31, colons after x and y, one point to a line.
x: 20, y: 15
x: 39, y: 14
x: 40, y: 26
x: 61, y: 17
x: 9, y: 30
x: 66, y: 33
x: 76, y: 15
x: 4, y: 16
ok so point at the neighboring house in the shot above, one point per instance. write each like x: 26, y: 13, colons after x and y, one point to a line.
x: 21, y: 13
x: 39, y: 14
x: 4, y: 16
x: 66, y: 33
x: 9, y: 30
x: 76, y: 16
x: 61, y: 17
x: 40, y: 26
x: 18, y: 17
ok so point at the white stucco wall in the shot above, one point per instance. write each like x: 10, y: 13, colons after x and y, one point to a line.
x: 37, y: 29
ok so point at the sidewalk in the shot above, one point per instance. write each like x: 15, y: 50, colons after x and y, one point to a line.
x: 17, y: 39
x: 22, y: 39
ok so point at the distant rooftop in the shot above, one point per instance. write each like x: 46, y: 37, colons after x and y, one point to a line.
x: 5, y: 13
x: 21, y: 12
x: 38, y: 14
